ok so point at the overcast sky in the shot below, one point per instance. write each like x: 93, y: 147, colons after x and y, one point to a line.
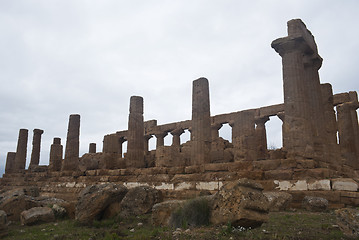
x: 88, y: 57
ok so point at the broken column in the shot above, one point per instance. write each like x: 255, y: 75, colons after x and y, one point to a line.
x: 135, y: 146
x: 176, y: 139
x: 92, y: 148
x: 36, y: 145
x: 160, y: 139
x: 304, y: 114
x: 56, y: 151
x: 201, y: 123
x: 72, y: 149
x: 21, y: 150
x: 346, y: 132
x: 10, y: 162
x: 261, y: 137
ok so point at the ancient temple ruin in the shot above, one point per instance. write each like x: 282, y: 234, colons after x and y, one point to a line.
x: 320, y: 142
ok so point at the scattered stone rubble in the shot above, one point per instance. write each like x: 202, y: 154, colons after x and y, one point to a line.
x: 319, y: 157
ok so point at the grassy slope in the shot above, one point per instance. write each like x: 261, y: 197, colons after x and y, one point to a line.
x: 283, y: 225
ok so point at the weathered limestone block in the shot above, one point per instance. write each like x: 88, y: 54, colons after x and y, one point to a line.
x: 37, y: 215
x: 221, y: 151
x: 36, y: 145
x: 278, y: 201
x: 139, y: 200
x: 10, y: 162
x: 20, y: 157
x: 323, y: 184
x: 71, y: 159
x: 56, y: 152
x: 261, y: 137
x: 161, y: 212
x: 315, y: 204
x: 135, y: 147
x: 94, y: 199
x: 241, y: 203
x: 201, y: 123
x: 344, y: 184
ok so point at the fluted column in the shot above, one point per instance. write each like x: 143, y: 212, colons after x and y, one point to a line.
x: 304, y: 114
x: 201, y: 123
x: 36, y: 145
x: 347, y: 141
x: 261, y: 137
x: 135, y: 146
x: 214, y: 131
x: 21, y: 150
x: 10, y: 162
x: 72, y: 149
x: 176, y: 139
x: 146, y: 138
x: 56, y: 151
x: 160, y: 139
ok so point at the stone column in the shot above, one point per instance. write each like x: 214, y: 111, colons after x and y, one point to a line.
x: 214, y: 131
x: 303, y: 124
x: 92, y: 148
x: 354, y: 98
x: 346, y: 134
x: 56, y: 151
x: 72, y: 150
x: 160, y: 139
x: 201, y: 123
x: 10, y: 162
x: 21, y: 150
x: 146, y: 138
x: 176, y: 139
x: 330, y: 125
x: 281, y: 116
x: 243, y: 136
x: 36, y: 145
x: 135, y: 146
x: 261, y: 137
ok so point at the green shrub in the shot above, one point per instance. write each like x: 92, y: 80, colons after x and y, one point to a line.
x: 194, y: 213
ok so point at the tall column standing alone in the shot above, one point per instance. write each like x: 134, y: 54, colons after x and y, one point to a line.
x: 71, y: 159
x: 135, y: 145
x: 10, y: 162
x: 201, y: 123
x: 36, y: 145
x: 20, y: 157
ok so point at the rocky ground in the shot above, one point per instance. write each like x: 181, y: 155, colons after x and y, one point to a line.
x: 281, y: 225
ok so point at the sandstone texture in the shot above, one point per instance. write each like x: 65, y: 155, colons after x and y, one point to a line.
x: 94, y: 200
x: 161, y: 212
x: 278, y: 201
x: 348, y: 221
x: 37, y: 215
x: 139, y: 200
x: 315, y: 204
x: 241, y: 203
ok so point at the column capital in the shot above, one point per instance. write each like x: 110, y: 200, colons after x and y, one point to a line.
x: 261, y: 120
x: 291, y: 44
x: 281, y: 116
x: 216, y: 126
x: 161, y: 134
x: 38, y: 131
x: 177, y: 132
x: 147, y: 137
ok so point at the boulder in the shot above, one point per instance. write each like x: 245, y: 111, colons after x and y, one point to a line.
x: 37, y: 215
x: 3, y: 224
x: 59, y: 212
x: 94, y: 199
x: 161, y: 212
x: 348, y: 221
x: 315, y: 204
x: 240, y: 203
x: 278, y: 201
x: 139, y: 200
x: 15, y: 201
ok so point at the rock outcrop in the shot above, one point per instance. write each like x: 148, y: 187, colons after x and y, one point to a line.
x: 348, y: 221
x: 37, y: 215
x: 139, y: 200
x: 94, y: 200
x: 315, y: 204
x: 161, y: 212
x: 241, y: 203
x: 278, y: 201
